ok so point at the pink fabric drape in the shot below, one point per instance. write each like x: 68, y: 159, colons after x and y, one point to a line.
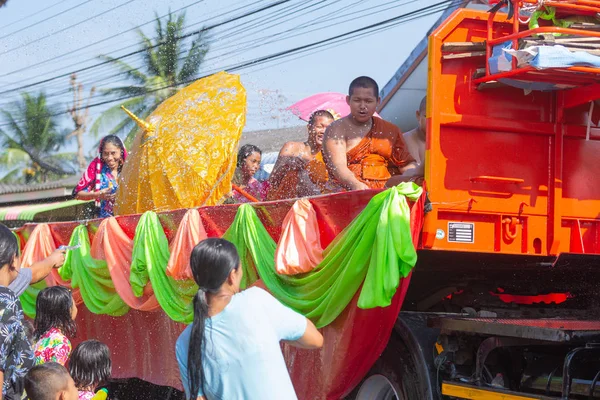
x: 40, y: 245
x: 299, y: 249
x: 113, y: 245
x: 190, y: 232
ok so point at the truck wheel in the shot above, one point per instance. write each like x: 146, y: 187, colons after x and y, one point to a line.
x: 393, y: 377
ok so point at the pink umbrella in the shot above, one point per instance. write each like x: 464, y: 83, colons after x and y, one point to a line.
x: 335, y: 103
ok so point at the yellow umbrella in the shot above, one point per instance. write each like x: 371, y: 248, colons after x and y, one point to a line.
x: 185, y: 152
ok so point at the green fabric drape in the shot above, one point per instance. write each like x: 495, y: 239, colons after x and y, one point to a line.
x: 29, y: 297
x: 375, y: 248
x: 253, y: 243
x: 91, y: 277
x: 149, y: 263
x: 374, y: 251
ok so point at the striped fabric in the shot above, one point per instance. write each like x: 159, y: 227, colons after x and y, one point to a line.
x: 28, y: 212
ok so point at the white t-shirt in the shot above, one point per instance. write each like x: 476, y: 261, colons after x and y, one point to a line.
x: 242, y: 358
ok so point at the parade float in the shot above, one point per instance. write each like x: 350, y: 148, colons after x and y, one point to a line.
x: 131, y: 276
x: 502, y: 301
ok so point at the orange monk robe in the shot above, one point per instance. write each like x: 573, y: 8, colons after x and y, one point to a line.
x: 308, y: 180
x: 379, y: 155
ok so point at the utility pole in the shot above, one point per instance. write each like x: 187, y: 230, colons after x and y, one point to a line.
x: 79, y: 115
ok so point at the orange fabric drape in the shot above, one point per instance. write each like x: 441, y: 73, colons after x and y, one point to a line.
x: 190, y: 232
x: 40, y: 245
x: 113, y: 245
x: 299, y: 248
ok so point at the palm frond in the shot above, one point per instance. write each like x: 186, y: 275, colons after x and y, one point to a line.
x: 150, y: 56
x: 13, y: 157
x: 126, y: 69
x: 194, y: 59
x: 14, y: 126
x: 113, y: 114
x: 12, y: 176
x: 126, y: 91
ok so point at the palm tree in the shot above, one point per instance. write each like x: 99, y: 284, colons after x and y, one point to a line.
x: 31, y: 139
x: 168, y: 64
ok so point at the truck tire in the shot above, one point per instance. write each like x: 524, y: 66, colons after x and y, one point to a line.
x: 393, y: 377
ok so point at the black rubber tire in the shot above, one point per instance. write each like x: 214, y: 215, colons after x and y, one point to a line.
x: 399, y: 367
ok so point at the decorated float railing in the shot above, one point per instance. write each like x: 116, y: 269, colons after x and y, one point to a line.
x: 353, y: 289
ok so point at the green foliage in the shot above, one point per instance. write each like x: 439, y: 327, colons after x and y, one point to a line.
x: 169, y: 63
x: 31, y: 140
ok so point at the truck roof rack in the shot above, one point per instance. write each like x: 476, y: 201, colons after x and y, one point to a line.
x: 566, y: 77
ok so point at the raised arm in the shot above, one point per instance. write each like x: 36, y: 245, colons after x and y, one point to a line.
x: 104, y: 194
x: 41, y: 269
x: 286, y: 160
x: 334, y: 152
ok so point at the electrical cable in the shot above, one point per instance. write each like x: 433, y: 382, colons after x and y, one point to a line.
x: 409, y: 16
x: 233, y: 19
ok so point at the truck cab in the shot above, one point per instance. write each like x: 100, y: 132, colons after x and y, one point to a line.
x: 503, y: 301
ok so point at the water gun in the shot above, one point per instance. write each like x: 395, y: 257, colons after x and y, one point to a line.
x: 102, y: 394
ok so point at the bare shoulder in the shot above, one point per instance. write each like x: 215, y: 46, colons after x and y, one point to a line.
x: 337, y: 130
x: 410, y: 135
x: 291, y: 149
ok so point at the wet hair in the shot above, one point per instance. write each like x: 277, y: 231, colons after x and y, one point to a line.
x: 423, y: 105
x: 43, y: 382
x: 90, y: 364
x: 364, y: 82
x: 115, y: 141
x: 245, y: 152
x: 319, y: 113
x: 9, y: 246
x: 53, y: 310
x: 212, y: 260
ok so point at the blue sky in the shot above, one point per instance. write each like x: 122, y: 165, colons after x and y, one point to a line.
x: 27, y: 40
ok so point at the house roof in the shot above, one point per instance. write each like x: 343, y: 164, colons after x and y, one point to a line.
x: 269, y: 140
x: 69, y: 182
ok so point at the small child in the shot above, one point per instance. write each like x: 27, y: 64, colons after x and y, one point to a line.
x: 90, y: 366
x: 54, y: 323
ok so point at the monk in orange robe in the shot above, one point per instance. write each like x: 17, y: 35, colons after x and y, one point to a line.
x: 363, y: 151
x: 300, y: 170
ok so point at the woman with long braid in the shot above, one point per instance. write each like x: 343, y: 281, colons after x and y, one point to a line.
x: 231, y: 350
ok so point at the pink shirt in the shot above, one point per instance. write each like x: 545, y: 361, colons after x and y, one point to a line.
x: 52, y: 346
x: 255, y: 188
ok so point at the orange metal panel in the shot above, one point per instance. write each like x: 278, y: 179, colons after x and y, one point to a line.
x: 510, y: 170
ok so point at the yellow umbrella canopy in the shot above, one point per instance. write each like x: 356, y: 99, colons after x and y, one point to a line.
x: 185, y: 152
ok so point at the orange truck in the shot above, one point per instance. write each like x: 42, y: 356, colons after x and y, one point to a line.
x: 503, y: 302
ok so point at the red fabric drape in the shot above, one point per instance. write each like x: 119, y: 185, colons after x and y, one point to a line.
x: 142, y: 343
x: 353, y: 342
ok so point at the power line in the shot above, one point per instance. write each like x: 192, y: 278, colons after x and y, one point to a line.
x: 72, y: 52
x: 120, y: 73
x: 68, y: 27
x: 45, y: 19
x: 194, y: 33
x: 334, y: 39
x: 35, y: 13
x: 236, y: 44
x: 220, y: 56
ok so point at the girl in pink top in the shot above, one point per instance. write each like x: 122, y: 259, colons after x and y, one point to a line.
x: 55, y: 313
